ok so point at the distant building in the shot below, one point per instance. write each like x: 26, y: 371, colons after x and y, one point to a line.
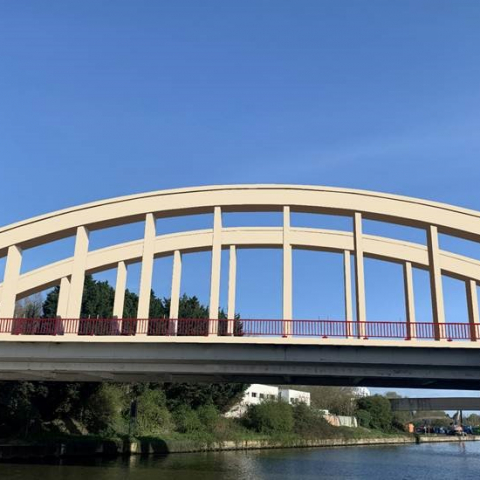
x: 257, y: 393
x: 294, y: 396
x: 362, y: 392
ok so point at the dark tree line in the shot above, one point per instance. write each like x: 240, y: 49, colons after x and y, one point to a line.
x: 26, y: 407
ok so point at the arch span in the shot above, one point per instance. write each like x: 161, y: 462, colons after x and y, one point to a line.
x: 433, y: 217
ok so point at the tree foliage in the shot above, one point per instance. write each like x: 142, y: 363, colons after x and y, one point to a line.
x: 99, y: 407
x: 380, y: 411
x: 270, y: 417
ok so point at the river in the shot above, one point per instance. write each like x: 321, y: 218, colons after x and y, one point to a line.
x: 424, y: 461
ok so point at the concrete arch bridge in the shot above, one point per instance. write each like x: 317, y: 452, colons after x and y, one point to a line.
x: 351, y: 350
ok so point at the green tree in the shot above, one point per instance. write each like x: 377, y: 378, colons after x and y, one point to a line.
x: 308, y: 422
x: 222, y: 395
x: 270, y: 417
x: 102, y: 411
x: 186, y: 420
x: 153, y: 416
x: 380, y: 411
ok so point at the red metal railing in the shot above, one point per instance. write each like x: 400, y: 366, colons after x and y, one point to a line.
x: 242, y: 327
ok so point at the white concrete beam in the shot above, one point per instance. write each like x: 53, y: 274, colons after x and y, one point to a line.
x: 409, y: 299
x: 359, y: 273
x: 10, y: 281
x: 175, y: 293
x: 147, y: 267
x: 77, y: 280
x: 347, y: 280
x: 436, y: 287
x: 63, y: 295
x: 120, y: 285
x: 287, y: 274
x: 232, y: 286
x: 216, y: 266
x: 472, y: 303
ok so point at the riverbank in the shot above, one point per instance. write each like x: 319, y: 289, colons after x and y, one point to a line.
x: 87, y: 447
x: 112, y: 448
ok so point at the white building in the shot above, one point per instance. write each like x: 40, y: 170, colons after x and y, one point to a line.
x: 362, y: 392
x: 257, y: 393
x: 294, y: 396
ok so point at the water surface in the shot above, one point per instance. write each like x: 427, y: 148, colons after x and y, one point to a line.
x: 425, y: 461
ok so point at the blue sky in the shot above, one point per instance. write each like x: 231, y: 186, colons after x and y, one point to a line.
x: 100, y: 99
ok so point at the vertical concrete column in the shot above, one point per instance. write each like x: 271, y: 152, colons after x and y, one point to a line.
x: 78, y: 273
x: 10, y: 280
x: 147, y: 267
x: 119, y: 300
x: 409, y: 300
x: 63, y: 297
x: 435, y: 281
x: 347, y: 280
x: 232, y: 286
x: 175, y: 295
x: 472, y: 302
x: 359, y: 275
x: 216, y: 265
x: 287, y: 274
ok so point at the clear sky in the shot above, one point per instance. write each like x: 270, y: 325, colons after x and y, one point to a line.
x: 106, y: 98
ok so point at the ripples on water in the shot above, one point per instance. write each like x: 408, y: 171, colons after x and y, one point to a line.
x: 432, y: 461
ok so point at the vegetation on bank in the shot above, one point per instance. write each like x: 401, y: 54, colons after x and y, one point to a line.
x: 165, y: 411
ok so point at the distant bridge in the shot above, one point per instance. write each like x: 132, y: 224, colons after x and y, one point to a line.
x: 24, y: 341
x: 425, y: 404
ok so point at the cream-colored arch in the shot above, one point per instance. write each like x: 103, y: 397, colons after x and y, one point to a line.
x: 431, y: 216
x: 247, y: 237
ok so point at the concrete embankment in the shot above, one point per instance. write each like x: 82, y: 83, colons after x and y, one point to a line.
x: 190, y: 447
x: 445, y: 438
x: 157, y: 446
x: 74, y: 448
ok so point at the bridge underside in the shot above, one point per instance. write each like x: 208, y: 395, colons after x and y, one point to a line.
x: 382, y: 366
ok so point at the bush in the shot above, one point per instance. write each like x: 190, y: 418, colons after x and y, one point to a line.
x: 153, y: 416
x: 308, y: 422
x: 103, y: 409
x: 208, y: 416
x: 186, y: 420
x: 270, y: 417
x: 364, y: 418
x: 380, y: 411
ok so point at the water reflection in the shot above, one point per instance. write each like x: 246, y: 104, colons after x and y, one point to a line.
x: 452, y: 460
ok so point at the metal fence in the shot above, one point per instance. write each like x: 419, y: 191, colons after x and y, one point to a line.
x: 240, y: 327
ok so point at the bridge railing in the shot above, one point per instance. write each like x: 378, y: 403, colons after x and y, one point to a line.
x: 240, y: 328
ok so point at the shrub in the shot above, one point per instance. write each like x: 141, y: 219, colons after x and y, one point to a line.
x: 380, y: 411
x: 103, y: 409
x: 364, y: 418
x: 186, y: 420
x: 153, y: 416
x: 308, y: 422
x: 208, y: 416
x: 270, y: 417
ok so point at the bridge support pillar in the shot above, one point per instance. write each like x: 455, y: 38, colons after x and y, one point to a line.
x: 12, y: 272
x: 232, y: 282
x: 175, y: 293
x: 215, y: 273
x: 78, y: 273
x: 287, y: 275
x: 347, y: 279
x: 472, y: 302
x: 359, y: 276
x: 409, y: 300
x: 147, y: 267
x: 119, y: 301
x: 436, y: 283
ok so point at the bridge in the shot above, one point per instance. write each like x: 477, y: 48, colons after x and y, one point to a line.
x: 347, y: 351
x: 437, y: 403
